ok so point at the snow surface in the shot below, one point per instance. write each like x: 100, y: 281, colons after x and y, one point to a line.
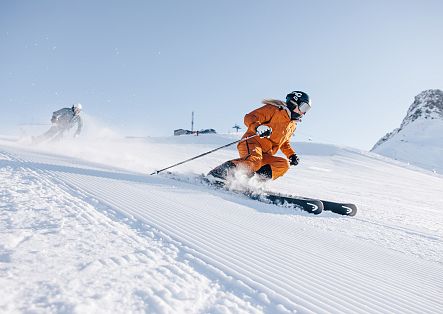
x: 85, y: 229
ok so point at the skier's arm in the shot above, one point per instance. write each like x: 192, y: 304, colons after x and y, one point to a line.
x: 287, y: 149
x: 56, y: 115
x: 258, y: 116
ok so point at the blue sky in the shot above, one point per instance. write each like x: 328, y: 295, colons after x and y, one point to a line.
x: 142, y: 67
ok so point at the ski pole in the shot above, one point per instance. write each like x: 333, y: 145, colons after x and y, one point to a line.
x: 201, y: 155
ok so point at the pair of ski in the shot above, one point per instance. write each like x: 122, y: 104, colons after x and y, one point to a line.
x: 310, y: 205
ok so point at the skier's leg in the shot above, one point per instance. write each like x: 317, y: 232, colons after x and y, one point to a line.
x: 250, y: 159
x: 278, y: 165
x: 48, y: 134
x: 265, y: 172
x: 251, y: 156
x: 222, y: 171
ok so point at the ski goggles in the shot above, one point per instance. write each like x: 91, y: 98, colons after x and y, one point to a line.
x: 304, y: 107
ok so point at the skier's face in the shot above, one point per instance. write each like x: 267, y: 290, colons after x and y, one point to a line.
x: 298, y: 111
x: 297, y: 114
x: 304, y: 107
x: 77, y: 111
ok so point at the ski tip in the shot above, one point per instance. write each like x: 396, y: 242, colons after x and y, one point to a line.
x: 351, y: 209
x: 315, y: 208
x: 345, y: 209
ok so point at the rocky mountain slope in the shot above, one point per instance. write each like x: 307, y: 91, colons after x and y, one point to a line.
x: 419, y: 139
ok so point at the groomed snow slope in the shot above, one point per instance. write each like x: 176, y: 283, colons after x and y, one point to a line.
x: 80, y: 235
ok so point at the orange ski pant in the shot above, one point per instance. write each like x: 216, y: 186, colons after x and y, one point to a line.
x: 253, y: 158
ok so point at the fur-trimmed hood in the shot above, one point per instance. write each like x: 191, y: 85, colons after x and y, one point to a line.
x: 277, y: 103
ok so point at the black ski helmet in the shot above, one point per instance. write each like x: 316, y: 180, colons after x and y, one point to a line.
x: 298, y: 99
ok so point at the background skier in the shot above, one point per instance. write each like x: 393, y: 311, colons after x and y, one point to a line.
x: 274, y: 123
x: 62, y: 120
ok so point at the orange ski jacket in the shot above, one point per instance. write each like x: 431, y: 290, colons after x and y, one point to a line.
x: 276, y: 115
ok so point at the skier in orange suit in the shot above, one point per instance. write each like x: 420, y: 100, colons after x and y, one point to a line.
x: 273, y: 123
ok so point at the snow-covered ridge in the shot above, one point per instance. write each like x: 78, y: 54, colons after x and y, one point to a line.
x: 419, y: 139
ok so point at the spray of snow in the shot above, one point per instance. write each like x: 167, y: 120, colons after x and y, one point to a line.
x: 96, y: 129
x: 241, y: 180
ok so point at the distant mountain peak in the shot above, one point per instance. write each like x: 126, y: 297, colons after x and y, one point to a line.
x: 419, y: 139
x: 427, y: 105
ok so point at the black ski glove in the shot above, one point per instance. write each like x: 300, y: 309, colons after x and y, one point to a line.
x: 294, y: 160
x: 263, y: 131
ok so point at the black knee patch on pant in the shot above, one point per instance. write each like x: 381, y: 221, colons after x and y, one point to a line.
x: 265, y: 171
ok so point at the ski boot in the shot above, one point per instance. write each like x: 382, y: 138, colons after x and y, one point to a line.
x: 264, y: 173
x: 220, y: 173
